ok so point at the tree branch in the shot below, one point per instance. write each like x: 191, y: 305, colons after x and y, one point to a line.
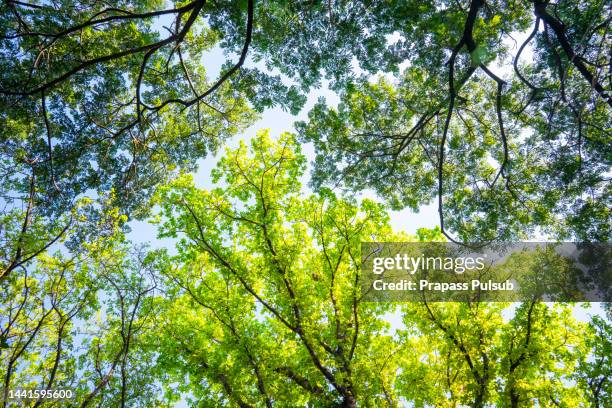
x: 559, y: 30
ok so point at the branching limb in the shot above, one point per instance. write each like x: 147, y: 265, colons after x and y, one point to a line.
x: 197, y: 7
x: 559, y: 30
x: 466, y: 40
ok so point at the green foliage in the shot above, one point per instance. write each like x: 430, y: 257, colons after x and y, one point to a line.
x: 73, y: 319
x: 594, y: 373
x: 119, y: 98
x: 266, y: 284
x: 506, y: 151
x: 468, y: 354
x: 261, y: 305
x: 106, y: 109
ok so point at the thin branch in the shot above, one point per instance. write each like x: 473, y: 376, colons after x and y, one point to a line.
x: 130, y: 51
x: 49, y: 147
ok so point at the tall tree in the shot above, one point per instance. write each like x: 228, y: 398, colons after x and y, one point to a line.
x: 505, y: 143
x: 515, y: 136
x: 269, y: 319
x: 262, y: 305
x: 467, y: 354
x: 97, y: 96
x: 594, y: 371
x: 266, y: 306
x: 73, y: 320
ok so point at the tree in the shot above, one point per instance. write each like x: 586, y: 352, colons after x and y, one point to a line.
x: 86, y: 93
x: 99, y: 97
x: 268, y: 317
x: 502, y: 153
x: 126, y: 106
x: 262, y: 305
x: 73, y: 320
x: 104, y: 110
x: 95, y: 98
x: 466, y: 354
x: 594, y: 370
x: 265, y: 306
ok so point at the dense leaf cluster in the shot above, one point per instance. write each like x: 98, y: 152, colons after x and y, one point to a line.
x: 498, y: 110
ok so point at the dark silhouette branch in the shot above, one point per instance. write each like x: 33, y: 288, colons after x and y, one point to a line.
x: 45, y: 115
x: 92, y: 21
x: 178, y: 37
x: 520, y: 52
x: 228, y: 73
x: 559, y: 30
x: 466, y: 40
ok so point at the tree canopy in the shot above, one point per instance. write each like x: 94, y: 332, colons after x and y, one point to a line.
x: 505, y: 143
x: 497, y: 111
x: 261, y: 305
x: 97, y: 97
